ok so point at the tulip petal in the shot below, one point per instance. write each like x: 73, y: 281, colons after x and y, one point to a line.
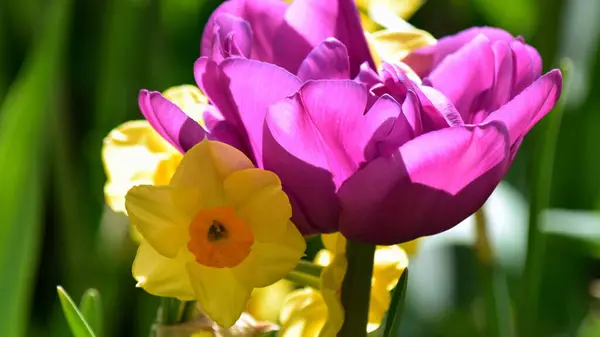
x: 526, y: 109
x: 309, y: 143
x: 314, y: 21
x: 423, y: 60
x: 465, y: 76
x: 222, y: 297
x: 233, y: 37
x: 328, y: 60
x: 429, y: 185
x: 160, y: 220
x: 269, y: 262
x: 169, y: 121
x: 254, y: 86
x: 264, y: 16
x: 162, y: 276
x: 206, y: 166
x: 528, y: 66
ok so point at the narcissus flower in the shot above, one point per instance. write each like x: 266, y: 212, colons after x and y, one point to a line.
x: 389, y: 14
x: 310, y: 313
x: 219, y: 229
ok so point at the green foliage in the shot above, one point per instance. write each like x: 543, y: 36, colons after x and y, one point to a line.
x: 77, y: 322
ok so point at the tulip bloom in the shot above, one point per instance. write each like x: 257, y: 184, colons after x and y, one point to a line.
x: 377, y: 155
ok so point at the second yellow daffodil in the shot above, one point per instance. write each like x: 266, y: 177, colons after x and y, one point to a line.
x: 220, y: 229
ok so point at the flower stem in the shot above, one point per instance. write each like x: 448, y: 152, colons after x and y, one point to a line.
x: 496, y: 324
x: 356, y: 289
x: 540, y: 199
x: 304, y: 279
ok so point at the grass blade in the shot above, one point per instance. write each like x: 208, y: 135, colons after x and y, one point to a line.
x: 394, y: 316
x: 77, y: 323
x: 91, y: 309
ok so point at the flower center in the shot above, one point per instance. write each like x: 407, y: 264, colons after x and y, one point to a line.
x: 219, y: 238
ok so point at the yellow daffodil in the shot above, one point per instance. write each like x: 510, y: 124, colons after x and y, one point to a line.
x: 265, y: 303
x: 219, y: 229
x: 309, y: 313
x: 386, y: 13
x: 135, y: 154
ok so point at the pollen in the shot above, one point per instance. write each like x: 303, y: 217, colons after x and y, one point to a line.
x: 219, y: 238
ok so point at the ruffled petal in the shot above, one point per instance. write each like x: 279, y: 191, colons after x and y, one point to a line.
x: 526, y: 109
x: 263, y: 16
x: 157, y: 216
x: 429, y: 185
x: 328, y: 60
x: 232, y: 37
x: 424, y: 60
x: 132, y: 154
x: 465, y: 76
x: 253, y: 86
x: 309, y: 22
x: 308, y: 143
x: 162, y: 276
x: 222, y: 297
x: 169, y: 121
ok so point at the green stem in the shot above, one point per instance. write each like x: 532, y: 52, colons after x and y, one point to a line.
x: 540, y: 199
x: 169, y: 311
x: 486, y: 270
x: 187, y: 311
x: 304, y: 279
x: 356, y: 289
x: 309, y: 268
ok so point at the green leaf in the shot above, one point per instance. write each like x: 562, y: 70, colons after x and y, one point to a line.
x: 91, y: 309
x: 394, y: 316
x: 24, y: 114
x: 79, y: 326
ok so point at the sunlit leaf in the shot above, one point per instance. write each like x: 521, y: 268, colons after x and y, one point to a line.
x: 91, y: 309
x: 79, y: 326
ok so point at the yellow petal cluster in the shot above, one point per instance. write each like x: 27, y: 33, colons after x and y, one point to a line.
x: 219, y: 229
x: 310, y: 313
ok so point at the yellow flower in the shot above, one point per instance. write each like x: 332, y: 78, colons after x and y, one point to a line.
x: 220, y: 229
x: 135, y: 154
x: 265, y: 303
x: 386, y: 13
x: 310, y: 313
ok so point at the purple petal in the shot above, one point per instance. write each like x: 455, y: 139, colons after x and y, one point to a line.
x: 527, y: 66
x: 264, y: 16
x: 367, y: 76
x: 427, y: 186
x: 169, y: 121
x: 527, y: 108
x: 310, y: 142
x: 251, y: 87
x: 313, y: 21
x: 328, y: 60
x: 424, y: 60
x: 232, y: 37
x: 465, y: 76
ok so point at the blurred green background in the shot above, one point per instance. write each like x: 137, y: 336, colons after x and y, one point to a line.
x: 70, y: 72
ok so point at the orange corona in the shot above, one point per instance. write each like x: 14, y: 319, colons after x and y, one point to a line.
x: 219, y: 239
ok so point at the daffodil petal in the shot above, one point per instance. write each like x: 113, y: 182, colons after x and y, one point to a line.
x: 152, y: 211
x: 331, y: 285
x: 378, y: 304
x: 260, y: 202
x: 394, y: 46
x: 206, y: 166
x: 269, y: 262
x: 222, y: 297
x: 162, y: 276
x: 303, y: 314
x: 389, y: 264
x: 131, y: 153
